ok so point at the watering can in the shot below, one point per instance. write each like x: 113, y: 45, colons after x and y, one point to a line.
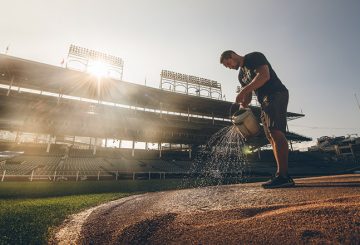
x: 246, y: 123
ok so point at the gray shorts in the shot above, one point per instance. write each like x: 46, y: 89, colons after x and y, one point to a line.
x: 273, y: 111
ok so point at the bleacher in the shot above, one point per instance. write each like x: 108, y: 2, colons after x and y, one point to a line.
x: 80, y: 164
x: 86, y: 153
x: 74, y: 163
x: 24, y: 165
x: 126, y: 165
x: 17, y: 169
x: 35, y: 149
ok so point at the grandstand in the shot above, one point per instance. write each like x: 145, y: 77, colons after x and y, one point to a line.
x: 60, y: 108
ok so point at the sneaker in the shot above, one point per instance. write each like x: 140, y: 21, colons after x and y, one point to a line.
x: 279, y: 182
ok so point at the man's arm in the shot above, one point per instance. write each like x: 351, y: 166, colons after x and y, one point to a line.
x: 262, y: 76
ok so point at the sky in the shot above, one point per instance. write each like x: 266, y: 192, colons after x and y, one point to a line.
x: 313, y: 45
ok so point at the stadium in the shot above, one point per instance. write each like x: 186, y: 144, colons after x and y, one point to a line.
x: 64, y: 124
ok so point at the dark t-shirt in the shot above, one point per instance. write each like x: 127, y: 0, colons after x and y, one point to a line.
x: 248, y: 72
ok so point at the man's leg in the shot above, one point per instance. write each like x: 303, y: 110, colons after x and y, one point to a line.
x: 281, y: 151
x: 273, y: 117
x: 273, y: 147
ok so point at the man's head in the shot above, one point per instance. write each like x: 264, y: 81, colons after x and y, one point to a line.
x: 230, y: 59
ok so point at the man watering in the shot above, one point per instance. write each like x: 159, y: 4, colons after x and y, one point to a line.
x: 256, y: 74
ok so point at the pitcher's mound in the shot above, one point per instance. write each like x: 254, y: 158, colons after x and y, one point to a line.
x: 322, y: 210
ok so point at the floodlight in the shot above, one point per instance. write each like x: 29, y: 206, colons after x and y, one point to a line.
x: 95, y: 62
x: 175, y: 79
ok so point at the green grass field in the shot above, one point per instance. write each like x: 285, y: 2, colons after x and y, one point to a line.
x: 57, y: 189
x: 29, y: 211
x: 30, y: 221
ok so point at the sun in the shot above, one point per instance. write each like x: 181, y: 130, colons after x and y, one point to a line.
x: 98, y: 68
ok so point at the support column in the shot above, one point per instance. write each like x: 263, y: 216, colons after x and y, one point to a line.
x: 133, y: 149
x: 160, y: 109
x: 213, y: 118
x: 90, y: 143
x: 3, y: 176
x: 337, y: 150
x: 146, y: 146
x: 94, y: 151
x: 291, y: 146
x: 49, y: 143
x: 59, y: 97
x: 11, y: 83
x: 352, y: 151
x: 17, y: 137
x: 188, y: 114
x: 190, y: 152
x: 105, y: 142
x: 160, y: 149
x: 259, y: 153
x: 32, y: 175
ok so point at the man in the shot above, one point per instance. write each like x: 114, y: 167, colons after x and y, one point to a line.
x: 256, y: 74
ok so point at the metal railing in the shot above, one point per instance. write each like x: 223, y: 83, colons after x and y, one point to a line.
x: 88, y: 175
x: 112, y: 175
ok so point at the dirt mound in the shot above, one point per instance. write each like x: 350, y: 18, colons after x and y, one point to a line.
x: 322, y: 210
x: 330, y: 221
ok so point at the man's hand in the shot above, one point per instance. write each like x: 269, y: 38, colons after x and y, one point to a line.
x: 243, y: 105
x: 240, y: 97
x: 243, y: 97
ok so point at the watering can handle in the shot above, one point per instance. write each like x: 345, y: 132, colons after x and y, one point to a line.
x: 239, y: 109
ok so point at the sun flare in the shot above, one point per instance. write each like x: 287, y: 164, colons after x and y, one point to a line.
x: 98, y: 69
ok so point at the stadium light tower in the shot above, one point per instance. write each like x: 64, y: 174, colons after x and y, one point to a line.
x: 190, y: 84
x: 94, y: 62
